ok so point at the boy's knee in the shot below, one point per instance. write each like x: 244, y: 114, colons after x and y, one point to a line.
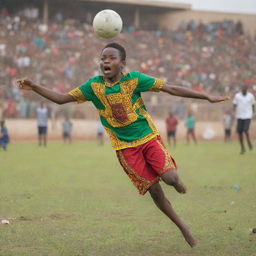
x: 170, y: 177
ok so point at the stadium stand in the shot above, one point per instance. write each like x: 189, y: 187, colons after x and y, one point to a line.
x: 214, y: 56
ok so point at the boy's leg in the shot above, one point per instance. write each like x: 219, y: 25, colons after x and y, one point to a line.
x: 168, y: 139
x: 172, y: 178
x: 240, y: 130
x: 246, y: 130
x: 187, y: 137
x: 241, y: 140
x: 45, y: 139
x: 193, y: 136
x: 165, y: 206
x: 248, y: 140
x: 4, y: 146
x: 45, y: 135
x: 39, y: 139
x: 39, y: 135
x: 228, y: 135
x: 161, y: 162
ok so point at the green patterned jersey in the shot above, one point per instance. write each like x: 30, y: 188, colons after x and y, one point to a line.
x: 121, y: 108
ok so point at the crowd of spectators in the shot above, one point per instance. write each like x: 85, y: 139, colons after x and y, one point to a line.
x: 216, y: 57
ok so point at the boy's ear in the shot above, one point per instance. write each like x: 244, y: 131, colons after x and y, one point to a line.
x: 123, y: 63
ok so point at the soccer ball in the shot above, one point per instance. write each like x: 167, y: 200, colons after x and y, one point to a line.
x: 107, y: 23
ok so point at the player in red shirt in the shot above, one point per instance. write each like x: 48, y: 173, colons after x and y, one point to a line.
x: 171, y: 125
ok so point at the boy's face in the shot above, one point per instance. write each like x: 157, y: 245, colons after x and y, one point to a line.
x: 111, y: 64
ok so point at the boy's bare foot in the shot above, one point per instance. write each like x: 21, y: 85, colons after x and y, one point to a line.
x: 189, y: 237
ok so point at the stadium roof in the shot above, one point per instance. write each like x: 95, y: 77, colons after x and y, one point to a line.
x: 156, y: 3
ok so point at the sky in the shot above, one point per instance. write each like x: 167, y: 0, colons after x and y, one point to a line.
x: 235, y: 6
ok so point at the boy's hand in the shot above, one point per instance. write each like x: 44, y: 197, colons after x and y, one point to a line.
x: 214, y: 99
x: 25, y: 84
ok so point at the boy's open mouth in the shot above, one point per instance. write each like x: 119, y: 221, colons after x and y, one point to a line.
x: 107, y: 69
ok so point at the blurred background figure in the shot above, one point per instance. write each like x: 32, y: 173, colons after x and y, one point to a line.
x: 53, y: 115
x: 228, y: 121
x: 244, y: 105
x: 42, y: 123
x: 100, y: 133
x: 4, y: 136
x: 67, y: 129
x: 153, y: 104
x: 11, y: 108
x: 171, y: 125
x: 1, y: 110
x: 190, y: 124
x: 180, y: 109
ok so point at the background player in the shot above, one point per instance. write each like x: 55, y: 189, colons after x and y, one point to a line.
x: 190, y: 124
x: 42, y: 124
x: 244, y: 105
x: 171, y: 126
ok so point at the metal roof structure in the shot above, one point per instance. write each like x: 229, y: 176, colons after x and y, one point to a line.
x: 149, y: 3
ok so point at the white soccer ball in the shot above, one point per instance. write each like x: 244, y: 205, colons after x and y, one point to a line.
x: 209, y: 133
x: 107, y: 23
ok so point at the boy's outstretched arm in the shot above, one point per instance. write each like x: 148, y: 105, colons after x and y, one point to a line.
x: 57, y: 97
x: 188, y: 93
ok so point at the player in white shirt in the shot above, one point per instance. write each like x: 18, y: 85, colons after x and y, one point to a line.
x: 244, y: 105
x: 42, y: 123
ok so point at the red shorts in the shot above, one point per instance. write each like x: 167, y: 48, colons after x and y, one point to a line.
x: 146, y: 163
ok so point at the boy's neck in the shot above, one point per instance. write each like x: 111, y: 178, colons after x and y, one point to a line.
x: 113, y: 79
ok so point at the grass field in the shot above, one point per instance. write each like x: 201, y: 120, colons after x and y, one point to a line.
x: 75, y: 200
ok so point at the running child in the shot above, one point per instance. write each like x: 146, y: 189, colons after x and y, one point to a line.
x: 190, y: 124
x: 67, y: 130
x: 4, y: 135
x: 134, y: 137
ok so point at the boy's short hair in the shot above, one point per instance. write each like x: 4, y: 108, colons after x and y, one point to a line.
x: 119, y: 47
